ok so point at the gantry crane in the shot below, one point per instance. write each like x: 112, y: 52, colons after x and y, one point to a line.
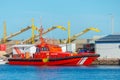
x: 34, y: 28
x: 83, y: 32
x: 31, y: 39
x: 5, y: 38
x: 74, y: 37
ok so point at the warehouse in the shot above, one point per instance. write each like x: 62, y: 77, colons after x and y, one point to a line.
x: 108, y: 46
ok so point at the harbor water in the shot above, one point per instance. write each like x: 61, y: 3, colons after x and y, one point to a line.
x: 13, y: 72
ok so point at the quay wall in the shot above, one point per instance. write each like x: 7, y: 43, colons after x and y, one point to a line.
x: 107, y: 61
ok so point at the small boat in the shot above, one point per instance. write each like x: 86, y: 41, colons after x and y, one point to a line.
x: 2, y: 61
x: 45, y: 54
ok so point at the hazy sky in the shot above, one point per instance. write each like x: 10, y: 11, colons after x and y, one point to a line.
x: 81, y: 13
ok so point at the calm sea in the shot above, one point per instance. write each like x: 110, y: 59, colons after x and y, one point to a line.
x: 9, y: 72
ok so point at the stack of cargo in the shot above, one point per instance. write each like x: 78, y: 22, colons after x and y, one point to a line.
x: 2, y: 47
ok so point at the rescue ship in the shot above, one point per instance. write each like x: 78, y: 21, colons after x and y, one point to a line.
x: 45, y: 54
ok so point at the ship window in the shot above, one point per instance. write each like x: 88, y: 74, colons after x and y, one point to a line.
x: 38, y: 49
x: 42, y: 48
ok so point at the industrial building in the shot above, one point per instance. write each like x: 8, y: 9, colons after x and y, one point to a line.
x: 108, y: 46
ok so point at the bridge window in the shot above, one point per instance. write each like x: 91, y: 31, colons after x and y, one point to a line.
x: 37, y: 49
x: 44, y: 49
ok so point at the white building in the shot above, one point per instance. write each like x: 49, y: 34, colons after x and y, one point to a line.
x: 108, y: 47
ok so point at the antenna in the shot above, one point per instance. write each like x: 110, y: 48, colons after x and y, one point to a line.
x: 112, y: 24
x: 40, y: 21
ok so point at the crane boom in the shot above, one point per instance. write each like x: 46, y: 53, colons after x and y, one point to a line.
x: 72, y: 38
x: 15, y: 34
x: 52, y: 28
x: 19, y: 32
x: 48, y: 30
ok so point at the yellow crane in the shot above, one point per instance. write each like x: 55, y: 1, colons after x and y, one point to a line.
x: 46, y: 31
x: 5, y: 38
x: 34, y: 28
x: 72, y: 38
x: 19, y: 32
x: 83, y: 32
x: 69, y: 40
x: 5, y: 33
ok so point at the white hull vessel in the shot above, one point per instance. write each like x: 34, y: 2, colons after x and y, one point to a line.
x: 3, y: 61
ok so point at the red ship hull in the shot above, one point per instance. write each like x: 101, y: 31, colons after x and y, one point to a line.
x: 45, y: 54
x: 85, y: 60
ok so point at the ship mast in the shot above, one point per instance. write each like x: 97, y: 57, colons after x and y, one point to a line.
x: 41, y: 33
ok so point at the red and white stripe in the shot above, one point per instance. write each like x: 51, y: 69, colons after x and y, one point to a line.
x: 17, y: 50
x: 82, y: 60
